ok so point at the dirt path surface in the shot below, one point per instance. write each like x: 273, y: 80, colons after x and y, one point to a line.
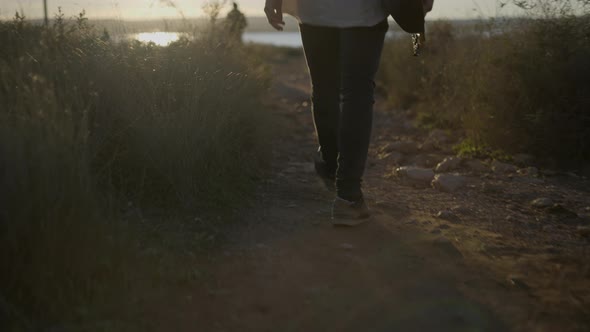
x: 479, y: 259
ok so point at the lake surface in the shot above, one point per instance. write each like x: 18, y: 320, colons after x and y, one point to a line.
x: 284, y: 39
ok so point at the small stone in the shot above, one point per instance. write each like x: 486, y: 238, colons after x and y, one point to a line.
x: 346, y: 246
x: 415, y: 174
x: 490, y: 188
x: 409, y: 125
x: 448, y: 164
x: 542, y: 202
x: 425, y: 160
x: 428, y: 145
x: 584, y: 231
x: 523, y: 159
x: 518, y: 282
x: 395, y: 157
x: 530, y: 171
x: 476, y: 166
x: 435, y: 231
x: 290, y: 170
x: 439, y: 136
x: 500, y: 167
x: 435, y: 141
x: 448, y: 182
x: 461, y: 209
x: 407, y: 147
x: 529, y: 180
x: 448, y: 216
x: 561, y: 210
x: 548, y: 172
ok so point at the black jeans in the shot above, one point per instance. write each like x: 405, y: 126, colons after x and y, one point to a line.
x: 342, y: 63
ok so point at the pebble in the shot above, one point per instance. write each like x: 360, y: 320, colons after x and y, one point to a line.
x: 476, y: 165
x: 448, y: 216
x: 449, y: 183
x: 500, y: 167
x: 416, y: 174
x: 461, y: 209
x: 561, y: 210
x: 408, y: 147
x: 530, y: 171
x: 523, y: 159
x: 490, y: 188
x: 346, y: 246
x: 396, y: 157
x: 439, y: 136
x: 542, y: 202
x: 584, y: 231
x: 518, y: 282
x: 448, y: 164
x: 425, y: 160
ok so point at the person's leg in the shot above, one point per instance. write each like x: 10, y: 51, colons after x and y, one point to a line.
x: 360, y: 52
x: 321, y: 47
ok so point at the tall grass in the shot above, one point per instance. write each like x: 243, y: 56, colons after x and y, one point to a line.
x: 515, y: 86
x: 89, y: 127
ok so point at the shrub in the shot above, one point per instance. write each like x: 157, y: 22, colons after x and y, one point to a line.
x: 88, y: 126
x: 516, y: 85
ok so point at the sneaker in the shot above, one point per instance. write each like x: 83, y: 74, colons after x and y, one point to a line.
x: 347, y: 213
x: 327, y: 175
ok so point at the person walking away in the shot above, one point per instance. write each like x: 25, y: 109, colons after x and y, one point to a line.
x: 342, y: 42
x: 235, y: 23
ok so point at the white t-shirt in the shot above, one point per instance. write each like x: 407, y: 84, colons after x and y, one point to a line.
x: 336, y: 13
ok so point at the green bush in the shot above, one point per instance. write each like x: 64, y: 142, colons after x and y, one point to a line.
x: 88, y: 126
x: 519, y: 85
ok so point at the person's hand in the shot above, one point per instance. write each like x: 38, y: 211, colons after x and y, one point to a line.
x: 427, y: 4
x: 274, y: 13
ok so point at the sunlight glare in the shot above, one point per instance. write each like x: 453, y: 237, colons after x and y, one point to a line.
x: 158, y: 38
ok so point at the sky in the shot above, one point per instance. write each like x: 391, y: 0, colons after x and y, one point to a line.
x: 155, y: 9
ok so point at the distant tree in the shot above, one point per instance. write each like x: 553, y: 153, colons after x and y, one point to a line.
x: 235, y: 23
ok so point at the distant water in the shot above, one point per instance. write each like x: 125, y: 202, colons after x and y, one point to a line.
x: 285, y: 39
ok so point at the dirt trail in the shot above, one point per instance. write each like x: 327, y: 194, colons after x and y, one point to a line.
x: 287, y: 269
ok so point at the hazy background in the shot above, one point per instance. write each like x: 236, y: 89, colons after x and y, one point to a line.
x: 157, y: 9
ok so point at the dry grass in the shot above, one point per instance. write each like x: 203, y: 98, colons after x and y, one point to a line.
x: 515, y: 86
x: 91, y: 130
